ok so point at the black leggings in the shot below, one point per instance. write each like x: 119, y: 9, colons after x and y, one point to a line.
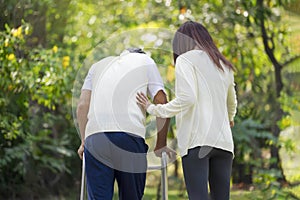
x: 206, y: 164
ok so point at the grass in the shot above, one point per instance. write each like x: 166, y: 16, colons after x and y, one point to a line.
x: 150, y: 194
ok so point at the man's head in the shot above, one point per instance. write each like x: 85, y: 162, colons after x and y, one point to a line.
x: 135, y: 50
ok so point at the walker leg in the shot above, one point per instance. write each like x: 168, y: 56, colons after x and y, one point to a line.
x: 82, y: 190
x: 164, y: 176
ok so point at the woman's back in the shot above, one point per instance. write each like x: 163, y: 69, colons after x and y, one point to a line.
x: 210, y: 121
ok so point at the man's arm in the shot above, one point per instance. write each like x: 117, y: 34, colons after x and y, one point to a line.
x: 82, y: 112
x: 162, y: 124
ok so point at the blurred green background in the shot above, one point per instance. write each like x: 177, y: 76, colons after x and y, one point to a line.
x: 46, y: 47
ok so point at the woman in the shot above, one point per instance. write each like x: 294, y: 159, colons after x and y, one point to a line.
x: 205, y: 106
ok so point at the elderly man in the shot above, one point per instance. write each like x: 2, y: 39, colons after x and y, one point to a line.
x: 112, y: 125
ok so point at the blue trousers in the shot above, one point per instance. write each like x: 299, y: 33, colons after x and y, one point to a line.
x: 116, y: 156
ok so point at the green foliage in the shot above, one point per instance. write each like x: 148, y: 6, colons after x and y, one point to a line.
x: 251, y: 140
x: 296, y: 191
x: 250, y: 136
x: 35, y: 115
x: 266, y: 182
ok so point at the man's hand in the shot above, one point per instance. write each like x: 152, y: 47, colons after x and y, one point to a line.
x: 143, y: 100
x: 80, y: 151
x: 170, y: 152
x: 231, y: 124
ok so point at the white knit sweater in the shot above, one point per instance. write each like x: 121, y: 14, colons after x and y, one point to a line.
x: 205, y: 102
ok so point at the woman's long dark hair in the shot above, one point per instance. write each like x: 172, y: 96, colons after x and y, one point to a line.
x: 192, y: 34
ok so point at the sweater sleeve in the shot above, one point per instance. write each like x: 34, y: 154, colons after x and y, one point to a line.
x: 185, y: 92
x: 231, y: 102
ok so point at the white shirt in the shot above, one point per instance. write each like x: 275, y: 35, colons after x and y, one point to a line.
x: 205, y: 102
x: 114, y: 82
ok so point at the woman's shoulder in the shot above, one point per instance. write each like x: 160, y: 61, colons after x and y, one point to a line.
x: 192, y: 55
x: 193, y: 52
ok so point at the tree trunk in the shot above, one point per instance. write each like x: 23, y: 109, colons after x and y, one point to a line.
x: 38, y: 22
x: 278, y: 113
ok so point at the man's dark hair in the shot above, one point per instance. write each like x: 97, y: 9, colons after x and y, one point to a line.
x: 135, y: 50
